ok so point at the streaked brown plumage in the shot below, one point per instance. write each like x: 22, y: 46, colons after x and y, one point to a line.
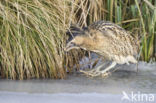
x: 109, y: 40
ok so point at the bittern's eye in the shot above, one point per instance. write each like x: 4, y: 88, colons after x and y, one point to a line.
x: 90, y: 34
x: 72, y: 43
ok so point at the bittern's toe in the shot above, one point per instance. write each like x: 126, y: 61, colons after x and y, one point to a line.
x: 106, y: 74
x: 91, y: 73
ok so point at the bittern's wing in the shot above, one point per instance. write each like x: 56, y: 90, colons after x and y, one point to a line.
x: 117, y: 37
x: 104, y: 26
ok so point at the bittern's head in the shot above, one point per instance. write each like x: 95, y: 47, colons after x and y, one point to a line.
x: 76, y: 38
x: 75, y: 43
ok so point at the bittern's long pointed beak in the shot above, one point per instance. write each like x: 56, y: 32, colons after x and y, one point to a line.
x: 70, y: 46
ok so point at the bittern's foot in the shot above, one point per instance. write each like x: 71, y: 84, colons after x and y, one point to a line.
x: 92, y: 73
x: 95, y: 73
x: 106, y: 74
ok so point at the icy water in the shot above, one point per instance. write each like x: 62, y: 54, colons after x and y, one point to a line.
x: 139, y: 87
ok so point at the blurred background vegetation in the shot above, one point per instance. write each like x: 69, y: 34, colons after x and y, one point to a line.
x: 33, y: 32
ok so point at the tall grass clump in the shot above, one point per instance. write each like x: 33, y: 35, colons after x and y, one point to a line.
x: 32, y: 38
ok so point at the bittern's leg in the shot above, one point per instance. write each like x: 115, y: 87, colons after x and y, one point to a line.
x: 105, y: 71
x: 97, y: 71
x: 94, y: 72
x: 109, y: 67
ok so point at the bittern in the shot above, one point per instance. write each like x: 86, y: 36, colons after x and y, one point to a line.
x: 108, y: 40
